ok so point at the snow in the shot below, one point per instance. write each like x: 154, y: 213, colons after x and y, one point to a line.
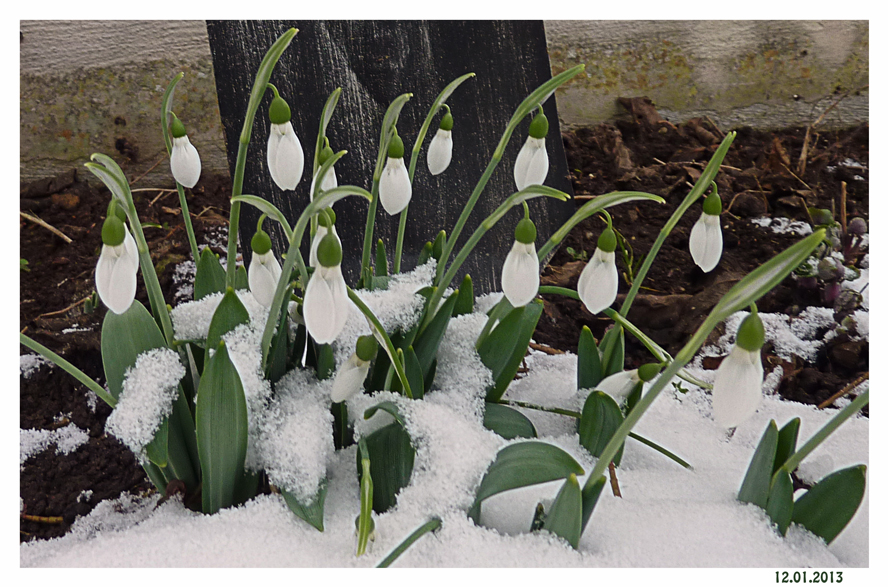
x: 783, y: 225
x: 31, y: 363
x: 67, y: 440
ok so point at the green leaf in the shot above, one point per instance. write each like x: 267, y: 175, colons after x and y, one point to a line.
x: 183, y: 462
x: 391, y: 464
x: 507, y: 422
x: 465, y: 302
x: 270, y: 210
x: 826, y: 508
x: 757, y: 483
x: 326, y: 116
x: 157, y: 450
x: 155, y: 475
x: 600, y: 419
x: 427, y: 342
x: 313, y: 513
x: 588, y: 361
x: 591, y: 493
x: 210, y: 277
x: 381, y: 261
x: 414, y: 373
x: 124, y: 337
x: 780, y: 501
x: 229, y: 314
x: 279, y: 352
x: 613, y: 350
x: 166, y: 103
x: 364, y: 522
x: 221, y: 425
x: 386, y: 406
x: 505, y: 347
x: 385, y: 134
x: 523, y: 464
x: 565, y: 518
x: 430, y: 526
x: 326, y: 361
x: 241, y: 280
x: 786, y: 442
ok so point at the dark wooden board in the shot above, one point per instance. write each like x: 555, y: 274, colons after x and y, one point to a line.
x: 374, y: 62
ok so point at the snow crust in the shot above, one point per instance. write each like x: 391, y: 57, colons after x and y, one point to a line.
x: 31, y: 363
x: 66, y: 439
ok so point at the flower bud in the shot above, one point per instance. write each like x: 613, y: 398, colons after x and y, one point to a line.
x: 539, y: 126
x: 607, y: 241
x: 113, y: 231
x: 366, y: 348
x: 857, y: 226
x: 329, y: 251
x: 279, y: 111
x: 525, y: 231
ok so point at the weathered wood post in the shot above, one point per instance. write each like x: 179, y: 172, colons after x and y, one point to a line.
x: 373, y: 63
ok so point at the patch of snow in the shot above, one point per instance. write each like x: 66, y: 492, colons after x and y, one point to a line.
x: 783, y: 225
x: 67, y: 440
x: 31, y: 363
x: 75, y: 328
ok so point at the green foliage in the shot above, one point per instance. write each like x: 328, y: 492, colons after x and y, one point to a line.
x: 210, y: 277
x: 600, y: 419
x: 504, y: 348
x: 313, y: 512
x: 508, y: 422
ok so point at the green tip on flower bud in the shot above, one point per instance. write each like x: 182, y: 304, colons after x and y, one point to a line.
x: 326, y: 152
x: 279, y: 111
x: 712, y: 205
x: 177, y: 129
x: 751, y: 334
x: 261, y: 242
x: 648, y: 371
x: 446, y: 122
x: 396, y: 147
x: 114, y: 208
x: 438, y: 245
x: 607, y: 242
x: 329, y: 251
x: 526, y: 231
x: 326, y: 217
x: 113, y: 232
x: 539, y: 127
x: 821, y: 216
x: 366, y: 347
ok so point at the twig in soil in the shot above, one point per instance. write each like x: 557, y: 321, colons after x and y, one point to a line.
x: 729, y: 167
x: 803, y: 157
x: 844, y: 391
x: 545, y: 349
x: 717, y: 129
x: 159, y: 161
x: 797, y: 177
x: 43, y: 519
x: 63, y: 310
x: 161, y: 193
x: 51, y: 229
x: 615, y: 485
x: 658, y: 161
x: 584, y: 197
x: 842, y: 208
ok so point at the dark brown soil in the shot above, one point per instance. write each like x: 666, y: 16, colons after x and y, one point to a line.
x: 643, y: 154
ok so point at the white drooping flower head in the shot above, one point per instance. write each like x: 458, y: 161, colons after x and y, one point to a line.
x: 265, y: 271
x: 349, y: 380
x: 521, y: 271
x: 326, y: 305
x: 395, y: 189
x: 329, y: 180
x: 532, y: 163
x: 326, y: 224
x: 621, y: 385
x: 705, y: 242
x: 737, y: 390
x: 118, y: 265
x: 184, y: 159
x: 285, y: 158
x: 441, y: 148
x: 598, y: 282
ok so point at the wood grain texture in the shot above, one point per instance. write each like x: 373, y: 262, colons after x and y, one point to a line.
x: 374, y: 62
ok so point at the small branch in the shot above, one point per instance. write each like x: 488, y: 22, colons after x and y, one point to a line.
x: 159, y: 161
x: 545, y: 349
x: 844, y: 391
x: 843, y: 209
x: 63, y: 310
x: 51, y: 229
x: 615, y: 485
x: 43, y: 519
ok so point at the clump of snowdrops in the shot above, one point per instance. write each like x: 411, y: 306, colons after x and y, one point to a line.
x: 197, y: 428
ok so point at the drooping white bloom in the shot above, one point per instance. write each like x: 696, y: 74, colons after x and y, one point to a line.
x: 185, y: 162
x: 349, y: 380
x: 521, y: 274
x: 313, y: 252
x: 619, y: 385
x: 328, y: 183
x: 116, y: 274
x: 737, y: 390
x: 706, y: 242
x: 440, y: 151
x: 263, y: 276
x: 394, y: 186
x: 532, y: 163
x: 598, y: 281
x: 326, y: 305
x: 285, y: 157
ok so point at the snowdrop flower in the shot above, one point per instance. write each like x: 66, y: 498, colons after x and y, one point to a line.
x: 394, y: 185
x: 532, y: 163
x: 621, y: 385
x: 521, y: 271
x: 117, y: 266
x: 737, y: 390
x: 598, y: 281
x: 349, y: 380
x: 441, y: 148
x: 706, y: 235
x: 326, y: 224
x: 265, y: 271
x: 326, y: 305
x: 285, y: 158
x: 329, y: 182
x: 184, y: 160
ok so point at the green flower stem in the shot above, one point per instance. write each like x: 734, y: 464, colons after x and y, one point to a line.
x: 389, y: 347
x: 365, y: 518
x: 797, y: 457
x: 531, y: 103
x: 707, y: 177
x: 260, y: 85
x: 149, y: 276
x: 429, y: 526
x: 189, y: 229
x: 366, y: 282
x: 69, y: 368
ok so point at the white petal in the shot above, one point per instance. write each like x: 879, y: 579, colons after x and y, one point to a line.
x: 394, y: 186
x: 521, y: 274
x: 440, y: 152
x: 116, y: 278
x: 263, y: 276
x: 737, y: 390
x: 532, y: 163
x: 285, y: 158
x: 326, y: 305
x: 329, y: 182
x: 313, y: 252
x: 619, y: 385
x: 185, y: 162
x: 705, y: 242
x: 349, y: 380
x: 598, y: 282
